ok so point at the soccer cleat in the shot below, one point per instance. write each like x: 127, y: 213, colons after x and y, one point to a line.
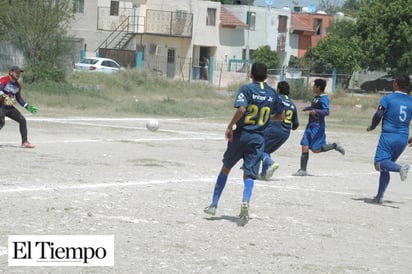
x: 211, y: 210
x: 244, y: 214
x: 270, y: 171
x: 300, y: 172
x: 261, y: 176
x: 377, y: 200
x: 27, y: 145
x: 340, y: 149
x: 404, y: 172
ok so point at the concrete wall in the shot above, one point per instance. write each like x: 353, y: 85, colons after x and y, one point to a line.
x: 265, y: 32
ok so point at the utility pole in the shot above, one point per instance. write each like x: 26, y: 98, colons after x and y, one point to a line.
x: 247, y: 43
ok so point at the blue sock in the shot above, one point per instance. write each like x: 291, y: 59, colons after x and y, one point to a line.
x: 247, y: 191
x: 383, y: 183
x: 388, y: 165
x: 219, y: 186
x: 266, y: 162
x: 264, y: 155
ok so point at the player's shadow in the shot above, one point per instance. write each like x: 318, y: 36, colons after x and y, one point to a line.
x: 386, y: 203
x: 233, y: 219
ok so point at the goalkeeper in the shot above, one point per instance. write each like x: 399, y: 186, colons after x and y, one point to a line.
x: 10, y: 90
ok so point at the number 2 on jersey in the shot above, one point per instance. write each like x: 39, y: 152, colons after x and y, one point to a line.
x: 288, y: 116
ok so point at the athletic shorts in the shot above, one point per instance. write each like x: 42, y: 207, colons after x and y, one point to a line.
x: 247, y: 146
x: 390, y: 146
x: 275, y: 137
x: 314, y: 138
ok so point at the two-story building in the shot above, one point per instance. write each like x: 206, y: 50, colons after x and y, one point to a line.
x: 170, y: 37
x: 173, y: 36
x: 265, y: 26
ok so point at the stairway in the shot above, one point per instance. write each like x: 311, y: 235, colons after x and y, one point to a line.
x: 120, y: 37
x: 124, y: 40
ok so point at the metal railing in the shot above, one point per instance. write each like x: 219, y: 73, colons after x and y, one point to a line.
x: 121, y: 29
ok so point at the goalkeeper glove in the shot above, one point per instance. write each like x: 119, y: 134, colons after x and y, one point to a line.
x: 7, y: 100
x: 32, y: 109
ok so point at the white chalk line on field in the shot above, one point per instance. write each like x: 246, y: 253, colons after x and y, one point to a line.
x: 105, y: 119
x: 126, y: 219
x: 86, y: 122
x: 101, y: 185
x: 176, y: 181
x: 130, y: 140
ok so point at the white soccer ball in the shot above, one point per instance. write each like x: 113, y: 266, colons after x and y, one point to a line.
x: 152, y: 124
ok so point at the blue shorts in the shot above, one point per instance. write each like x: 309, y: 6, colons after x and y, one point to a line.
x: 390, y: 146
x: 275, y: 137
x: 314, y: 138
x: 247, y: 146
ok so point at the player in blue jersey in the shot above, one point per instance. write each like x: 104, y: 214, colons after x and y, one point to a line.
x: 314, y: 137
x: 277, y: 132
x: 395, y: 111
x: 256, y: 103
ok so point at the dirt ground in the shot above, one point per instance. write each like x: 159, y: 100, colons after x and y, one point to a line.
x: 99, y: 176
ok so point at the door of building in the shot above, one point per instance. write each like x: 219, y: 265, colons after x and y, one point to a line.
x: 171, y: 63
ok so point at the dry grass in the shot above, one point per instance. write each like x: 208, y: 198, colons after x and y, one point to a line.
x: 127, y: 93
x: 134, y: 93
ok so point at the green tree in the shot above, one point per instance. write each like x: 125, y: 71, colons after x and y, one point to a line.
x: 38, y: 29
x: 385, y: 30
x: 265, y: 55
x: 328, y: 7
x: 336, y: 51
x: 351, y: 7
x: 343, y: 27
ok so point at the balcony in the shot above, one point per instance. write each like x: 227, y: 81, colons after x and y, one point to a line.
x: 156, y: 22
x: 177, y: 23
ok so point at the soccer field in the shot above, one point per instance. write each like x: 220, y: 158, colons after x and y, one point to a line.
x: 95, y: 176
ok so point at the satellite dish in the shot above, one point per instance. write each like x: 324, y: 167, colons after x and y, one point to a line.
x: 312, y: 8
x: 269, y: 2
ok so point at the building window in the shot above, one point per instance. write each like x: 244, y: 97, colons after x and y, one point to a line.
x: 283, y: 23
x: 211, y: 17
x: 251, y: 53
x: 318, y: 26
x: 114, y: 8
x: 251, y: 20
x: 78, y: 6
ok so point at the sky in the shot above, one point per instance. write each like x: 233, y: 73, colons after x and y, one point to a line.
x: 290, y: 4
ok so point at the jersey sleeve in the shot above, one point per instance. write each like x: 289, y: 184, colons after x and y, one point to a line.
x: 241, y: 98
x: 377, y: 118
x: 20, y: 99
x: 384, y: 102
x: 324, y: 111
x: 295, y: 119
x: 3, y: 82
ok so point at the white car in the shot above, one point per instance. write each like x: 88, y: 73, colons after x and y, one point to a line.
x: 97, y: 64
